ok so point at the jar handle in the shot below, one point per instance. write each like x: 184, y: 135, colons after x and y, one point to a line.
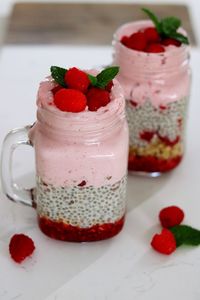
x: 15, y: 193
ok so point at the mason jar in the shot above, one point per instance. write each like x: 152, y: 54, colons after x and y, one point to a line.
x: 81, y: 166
x: 156, y: 88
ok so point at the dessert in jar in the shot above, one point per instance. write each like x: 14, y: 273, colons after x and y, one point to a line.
x: 81, y: 148
x: 154, y: 72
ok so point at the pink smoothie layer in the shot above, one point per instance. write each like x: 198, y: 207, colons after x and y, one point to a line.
x: 75, y: 147
x: 160, y: 77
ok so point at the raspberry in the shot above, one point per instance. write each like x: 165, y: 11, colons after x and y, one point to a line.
x: 124, y: 40
x: 77, y: 79
x: 164, y: 242
x: 70, y: 100
x: 137, y: 41
x: 109, y: 86
x: 97, y: 98
x: 151, y: 35
x: 171, y: 216
x: 155, y: 48
x: 170, y: 41
x: 20, y: 247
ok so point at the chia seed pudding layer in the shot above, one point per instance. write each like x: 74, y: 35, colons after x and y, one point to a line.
x: 81, y: 206
x: 156, y: 141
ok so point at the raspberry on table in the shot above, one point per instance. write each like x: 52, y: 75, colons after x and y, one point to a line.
x: 97, y: 98
x: 20, y: 247
x: 171, y: 216
x: 164, y: 242
x: 70, y: 100
x: 77, y: 79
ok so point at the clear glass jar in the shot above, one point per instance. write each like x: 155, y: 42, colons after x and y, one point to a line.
x: 156, y: 88
x: 81, y: 165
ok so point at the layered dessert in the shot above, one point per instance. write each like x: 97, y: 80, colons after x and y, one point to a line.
x: 154, y: 72
x: 81, y: 146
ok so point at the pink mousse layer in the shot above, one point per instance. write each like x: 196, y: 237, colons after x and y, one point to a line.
x: 75, y: 147
x: 160, y: 77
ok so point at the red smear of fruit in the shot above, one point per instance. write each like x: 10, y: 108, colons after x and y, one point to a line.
x: 171, y: 216
x: 97, y: 98
x: 147, y: 135
x: 151, y: 35
x: 155, y: 48
x: 164, y: 242
x: 66, y: 232
x: 137, y: 41
x: 170, y: 41
x: 70, y: 100
x: 163, y: 107
x: 168, y: 142
x: 82, y: 183
x: 133, y: 103
x: 20, y: 247
x: 77, y: 79
x: 152, y: 164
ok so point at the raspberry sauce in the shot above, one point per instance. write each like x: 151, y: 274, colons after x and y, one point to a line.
x: 66, y: 232
x: 152, y: 164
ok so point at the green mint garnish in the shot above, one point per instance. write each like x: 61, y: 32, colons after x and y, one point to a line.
x: 92, y: 79
x: 154, y: 19
x: 103, y: 78
x: 58, y: 74
x: 186, y: 235
x: 167, y: 27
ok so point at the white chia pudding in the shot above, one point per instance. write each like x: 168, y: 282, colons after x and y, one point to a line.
x: 82, y: 206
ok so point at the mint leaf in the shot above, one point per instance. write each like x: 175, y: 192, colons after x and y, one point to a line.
x: 186, y: 235
x: 153, y: 18
x: 106, y: 76
x: 179, y: 37
x: 169, y: 25
x: 58, y: 74
x: 92, y: 79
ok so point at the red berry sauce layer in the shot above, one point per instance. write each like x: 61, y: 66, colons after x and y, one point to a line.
x: 67, y: 232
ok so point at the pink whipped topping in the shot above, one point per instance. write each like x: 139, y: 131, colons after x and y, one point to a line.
x: 158, y: 77
x: 75, y: 147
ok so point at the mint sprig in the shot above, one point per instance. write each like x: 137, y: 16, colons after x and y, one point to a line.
x: 167, y: 27
x: 103, y: 78
x: 58, y: 74
x: 186, y: 235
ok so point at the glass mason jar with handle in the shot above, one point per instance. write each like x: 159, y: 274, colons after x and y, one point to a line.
x: 81, y: 163
x: 156, y: 88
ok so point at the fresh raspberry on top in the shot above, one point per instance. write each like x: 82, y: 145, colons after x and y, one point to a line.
x: 70, y: 100
x: 170, y: 41
x: 164, y: 242
x: 171, y: 216
x: 20, y: 247
x: 151, y: 35
x: 137, y: 41
x: 155, y: 48
x: 109, y: 86
x: 77, y: 79
x: 125, y: 40
x: 97, y: 98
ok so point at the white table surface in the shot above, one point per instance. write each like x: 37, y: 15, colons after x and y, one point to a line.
x: 124, y: 267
